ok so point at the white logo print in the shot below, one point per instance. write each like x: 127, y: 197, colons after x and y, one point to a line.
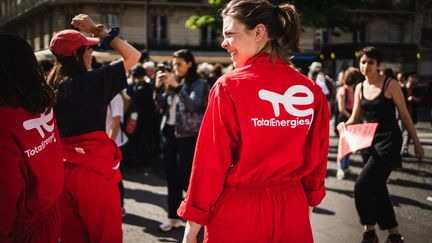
x: 38, y: 123
x: 289, y: 100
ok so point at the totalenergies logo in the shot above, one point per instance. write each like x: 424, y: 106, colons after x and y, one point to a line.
x: 291, y: 103
x: 39, y: 123
x: 288, y: 100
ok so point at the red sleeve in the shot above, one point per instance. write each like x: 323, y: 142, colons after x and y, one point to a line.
x: 217, y: 147
x: 12, y: 186
x: 316, y: 153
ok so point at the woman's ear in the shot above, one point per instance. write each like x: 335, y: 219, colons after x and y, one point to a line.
x: 189, y: 64
x: 260, y: 32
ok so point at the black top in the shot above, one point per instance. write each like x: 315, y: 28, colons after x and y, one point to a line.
x: 380, y: 109
x: 82, y: 101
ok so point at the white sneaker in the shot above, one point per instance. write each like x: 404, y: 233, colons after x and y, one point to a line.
x: 340, y: 174
x: 169, y: 224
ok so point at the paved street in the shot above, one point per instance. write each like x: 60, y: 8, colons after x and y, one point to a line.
x: 335, y: 220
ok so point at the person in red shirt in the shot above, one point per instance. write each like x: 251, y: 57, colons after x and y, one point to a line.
x: 90, y: 202
x: 261, y: 155
x: 30, y: 149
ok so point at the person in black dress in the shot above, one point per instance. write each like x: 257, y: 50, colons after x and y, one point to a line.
x: 375, y: 100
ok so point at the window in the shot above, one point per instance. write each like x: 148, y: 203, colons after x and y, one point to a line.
x: 158, y: 29
x: 209, y: 36
x: 110, y: 20
x: 396, y: 33
x: 321, y: 38
x: 359, y: 34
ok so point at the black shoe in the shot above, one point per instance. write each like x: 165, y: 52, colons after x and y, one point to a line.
x: 370, y: 237
x: 395, y: 238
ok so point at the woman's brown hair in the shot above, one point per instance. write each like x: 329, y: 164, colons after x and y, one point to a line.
x: 352, y: 76
x: 282, y: 23
x: 66, y: 67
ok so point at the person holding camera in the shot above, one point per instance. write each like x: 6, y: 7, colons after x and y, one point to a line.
x: 183, y: 104
x: 90, y: 201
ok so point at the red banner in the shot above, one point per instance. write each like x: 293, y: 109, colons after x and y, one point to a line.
x: 355, y: 137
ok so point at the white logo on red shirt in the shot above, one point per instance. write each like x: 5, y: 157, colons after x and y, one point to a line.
x: 288, y: 100
x: 38, y: 123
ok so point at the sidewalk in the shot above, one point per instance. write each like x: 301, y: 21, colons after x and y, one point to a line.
x: 335, y: 220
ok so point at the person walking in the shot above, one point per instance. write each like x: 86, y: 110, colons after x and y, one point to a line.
x: 90, y: 202
x: 30, y: 149
x: 183, y: 104
x: 259, y: 166
x: 345, y: 102
x: 375, y: 100
x: 412, y: 100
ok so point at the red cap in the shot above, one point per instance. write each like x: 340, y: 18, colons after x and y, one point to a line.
x: 66, y: 42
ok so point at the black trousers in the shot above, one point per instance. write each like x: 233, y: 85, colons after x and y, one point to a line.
x: 372, y: 198
x: 178, y: 158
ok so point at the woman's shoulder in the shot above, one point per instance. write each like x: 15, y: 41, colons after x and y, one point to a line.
x: 392, y: 84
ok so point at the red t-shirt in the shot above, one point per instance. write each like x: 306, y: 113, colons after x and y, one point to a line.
x: 32, y: 167
x: 265, y: 124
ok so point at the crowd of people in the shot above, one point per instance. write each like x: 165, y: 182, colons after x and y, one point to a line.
x: 69, y: 133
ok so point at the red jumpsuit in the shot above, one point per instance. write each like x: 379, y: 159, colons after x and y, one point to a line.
x: 32, y: 176
x: 90, y: 201
x: 261, y: 156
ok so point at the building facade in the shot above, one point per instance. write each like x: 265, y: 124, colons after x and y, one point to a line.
x: 401, y: 28
x: 154, y: 25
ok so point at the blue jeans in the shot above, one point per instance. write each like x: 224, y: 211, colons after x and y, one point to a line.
x: 344, y: 163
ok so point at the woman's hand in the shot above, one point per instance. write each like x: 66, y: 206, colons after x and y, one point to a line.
x: 160, y: 79
x: 171, y: 81
x: 191, y: 232
x: 84, y: 23
x: 418, y: 149
x: 166, y: 78
x: 341, y: 127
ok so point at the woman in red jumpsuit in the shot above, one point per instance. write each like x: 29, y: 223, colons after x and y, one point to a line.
x: 261, y: 155
x: 30, y: 150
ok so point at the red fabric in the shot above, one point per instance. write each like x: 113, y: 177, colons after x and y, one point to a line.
x: 245, y: 140
x: 32, y: 176
x: 90, y: 202
x: 90, y: 207
x: 93, y: 150
x: 261, y: 214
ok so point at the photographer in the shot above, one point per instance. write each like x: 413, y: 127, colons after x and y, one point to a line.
x: 183, y: 104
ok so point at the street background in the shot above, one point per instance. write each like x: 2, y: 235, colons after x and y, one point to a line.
x: 335, y: 220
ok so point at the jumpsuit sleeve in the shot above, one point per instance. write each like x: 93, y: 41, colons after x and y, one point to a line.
x: 217, y: 148
x: 316, y: 152
x: 12, y: 186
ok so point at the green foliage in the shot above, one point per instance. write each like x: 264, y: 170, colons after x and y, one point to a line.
x: 329, y: 14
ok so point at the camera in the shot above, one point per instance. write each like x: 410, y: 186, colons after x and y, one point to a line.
x: 164, y: 67
x: 161, y: 67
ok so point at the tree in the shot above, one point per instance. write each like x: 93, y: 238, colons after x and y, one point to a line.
x: 328, y: 14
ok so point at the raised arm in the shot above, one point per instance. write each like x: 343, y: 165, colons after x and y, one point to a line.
x: 129, y: 54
